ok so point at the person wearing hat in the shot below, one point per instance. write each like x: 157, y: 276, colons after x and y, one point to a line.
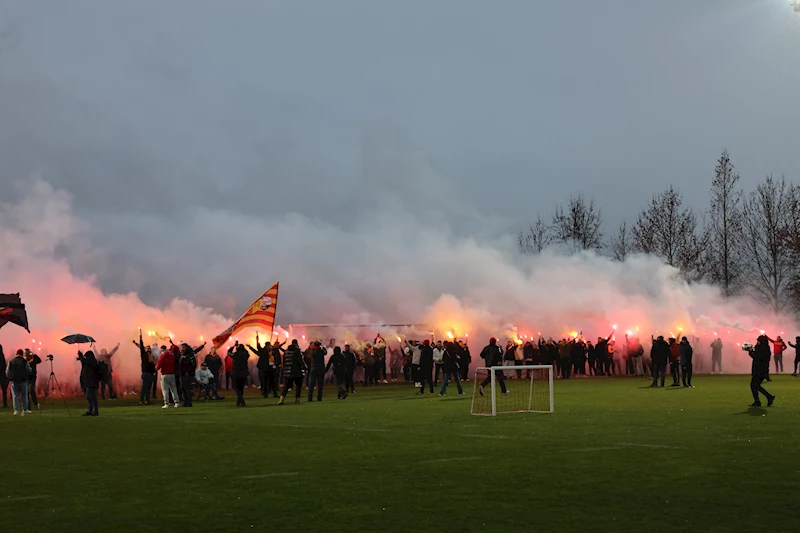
x: 204, y: 377
x: 18, y: 373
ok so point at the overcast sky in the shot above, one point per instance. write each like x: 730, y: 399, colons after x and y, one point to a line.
x: 472, y: 115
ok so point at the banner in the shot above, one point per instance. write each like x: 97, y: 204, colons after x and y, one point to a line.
x: 13, y: 310
x: 261, y: 314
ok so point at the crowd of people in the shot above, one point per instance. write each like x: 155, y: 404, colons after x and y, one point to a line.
x: 277, y: 370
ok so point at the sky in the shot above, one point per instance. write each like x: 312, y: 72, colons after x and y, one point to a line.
x: 210, y: 148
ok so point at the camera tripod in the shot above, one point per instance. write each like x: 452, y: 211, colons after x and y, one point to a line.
x: 52, y: 385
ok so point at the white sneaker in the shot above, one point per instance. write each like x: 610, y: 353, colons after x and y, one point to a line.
x: 506, y: 393
x: 15, y: 413
x: 165, y: 406
x: 177, y: 405
x: 27, y: 412
x: 38, y: 406
x: 480, y: 389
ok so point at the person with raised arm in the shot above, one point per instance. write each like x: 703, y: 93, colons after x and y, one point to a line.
x: 263, y: 353
x: 796, y: 347
x: 778, y: 347
x: 148, y: 371
x: 760, y: 370
x: 107, y: 369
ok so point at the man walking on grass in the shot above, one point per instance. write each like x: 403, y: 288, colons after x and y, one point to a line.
x: 493, y: 355
x: 760, y: 370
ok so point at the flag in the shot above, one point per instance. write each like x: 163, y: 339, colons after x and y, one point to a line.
x: 13, y: 310
x: 260, y: 314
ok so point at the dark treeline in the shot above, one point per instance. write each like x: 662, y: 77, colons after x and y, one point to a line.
x: 745, y: 243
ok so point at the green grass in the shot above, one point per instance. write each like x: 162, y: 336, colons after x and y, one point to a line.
x: 615, y: 456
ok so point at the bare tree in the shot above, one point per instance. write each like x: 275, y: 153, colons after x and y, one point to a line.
x: 579, y: 225
x: 770, y: 270
x: 668, y: 230
x: 537, y: 238
x: 621, y: 244
x: 725, y: 227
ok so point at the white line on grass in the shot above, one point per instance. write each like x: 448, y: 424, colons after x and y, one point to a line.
x: 742, y: 439
x: 487, y: 436
x: 661, y: 446
x: 600, y: 449
x: 276, y: 474
x: 451, y: 459
x: 24, y: 498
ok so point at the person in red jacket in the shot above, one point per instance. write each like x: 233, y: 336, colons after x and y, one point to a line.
x: 778, y: 347
x: 228, y: 368
x: 166, y: 364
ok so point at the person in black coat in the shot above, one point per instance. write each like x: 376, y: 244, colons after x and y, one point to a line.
x: 493, y: 355
x: 337, y: 362
x: 317, y: 378
x: 660, y: 356
x: 450, y: 368
x: 686, y: 362
x: 760, y: 354
x: 188, y: 366
x: 294, y: 368
x: 426, y: 367
x: 263, y: 353
x: 3, y: 377
x: 350, y: 361
x: 90, y: 376
x: 241, y: 371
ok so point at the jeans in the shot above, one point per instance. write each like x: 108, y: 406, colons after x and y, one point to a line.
x: 317, y: 379
x: 295, y: 383
x: 262, y: 378
x: 638, y: 369
x: 238, y: 384
x: 659, y: 371
x: 19, y: 390
x: 500, y: 378
x: 91, y: 398
x: 446, y: 375
x: 147, y: 382
x: 349, y: 384
x: 168, y: 387
x: 186, y: 385
x: 34, y: 402
x: 686, y: 370
x: 426, y: 376
x: 779, y: 363
x: 437, y: 369
x: 4, y: 386
x: 755, y: 388
x: 106, y: 382
x: 676, y: 378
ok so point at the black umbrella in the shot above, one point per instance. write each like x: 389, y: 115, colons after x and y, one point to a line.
x: 78, y: 339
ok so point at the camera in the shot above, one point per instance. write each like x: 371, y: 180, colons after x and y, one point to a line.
x: 50, y: 357
x: 747, y: 347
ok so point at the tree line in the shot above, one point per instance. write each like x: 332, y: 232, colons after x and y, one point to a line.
x: 743, y: 243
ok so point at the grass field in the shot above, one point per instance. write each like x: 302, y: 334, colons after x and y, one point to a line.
x: 615, y: 456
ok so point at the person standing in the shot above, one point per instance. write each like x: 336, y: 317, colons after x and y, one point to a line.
x: 34, y: 361
x: 317, y: 379
x: 716, y: 355
x: 380, y: 359
x: 796, y: 347
x: 188, y: 367
x: 337, y: 362
x: 91, y: 377
x: 148, y: 372
x: 294, y: 367
x: 107, y: 371
x: 659, y: 354
x: 275, y: 361
x: 674, y: 361
x: 350, y: 369
x: 686, y: 362
x: 18, y: 373
x: 438, y: 356
x: 465, y: 360
x: 450, y: 369
x: 760, y: 370
x: 426, y: 367
x: 214, y: 365
x: 416, y: 354
x: 493, y: 355
x: 263, y: 353
x: 3, y: 377
x: 166, y: 365
x: 779, y: 347
x: 229, y: 368
x: 241, y: 371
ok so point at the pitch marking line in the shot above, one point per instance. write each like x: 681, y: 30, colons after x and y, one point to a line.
x: 600, y: 449
x: 660, y: 446
x: 277, y: 474
x: 24, y: 498
x: 487, y: 436
x: 452, y: 459
x: 746, y: 439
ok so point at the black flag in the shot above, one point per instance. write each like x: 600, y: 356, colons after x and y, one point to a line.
x: 13, y: 310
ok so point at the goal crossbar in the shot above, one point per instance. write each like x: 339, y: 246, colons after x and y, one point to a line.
x: 492, y: 378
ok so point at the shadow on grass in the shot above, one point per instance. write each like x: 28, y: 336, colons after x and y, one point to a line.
x: 753, y: 411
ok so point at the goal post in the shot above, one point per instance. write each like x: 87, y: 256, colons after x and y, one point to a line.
x: 532, y: 390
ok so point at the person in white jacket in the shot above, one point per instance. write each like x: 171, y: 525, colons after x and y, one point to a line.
x: 416, y: 354
x: 204, y: 377
x: 438, y: 356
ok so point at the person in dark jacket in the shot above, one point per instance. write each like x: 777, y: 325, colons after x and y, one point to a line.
x: 241, y: 371
x: 107, y: 370
x: 149, y: 373
x: 464, y: 360
x: 18, y: 373
x: 796, y: 347
x: 493, y: 355
x: 337, y: 362
x: 263, y: 353
x: 760, y: 354
x: 659, y: 353
x: 350, y: 361
x: 450, y: 369
x: 90, y: 373
x: 34, y: 361
x: 188, y: 367
x: 716, y: 356
x: 275, y: 362
x: 3, y: 377
x: 318, y: 353
x: 426, y: 367
x: 686, y: 362
x: 213, y: 363
x: 294, y: 368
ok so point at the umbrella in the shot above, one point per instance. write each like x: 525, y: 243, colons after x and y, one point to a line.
x: 78, y: 339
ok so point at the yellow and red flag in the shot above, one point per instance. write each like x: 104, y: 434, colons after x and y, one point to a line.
x: 260, y: 314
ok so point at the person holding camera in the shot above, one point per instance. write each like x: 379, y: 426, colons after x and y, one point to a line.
x: 760, y: 370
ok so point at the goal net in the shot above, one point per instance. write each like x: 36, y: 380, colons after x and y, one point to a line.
x: 513, y: 389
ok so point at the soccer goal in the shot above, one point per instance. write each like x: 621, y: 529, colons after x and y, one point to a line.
x: 531, y: 390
